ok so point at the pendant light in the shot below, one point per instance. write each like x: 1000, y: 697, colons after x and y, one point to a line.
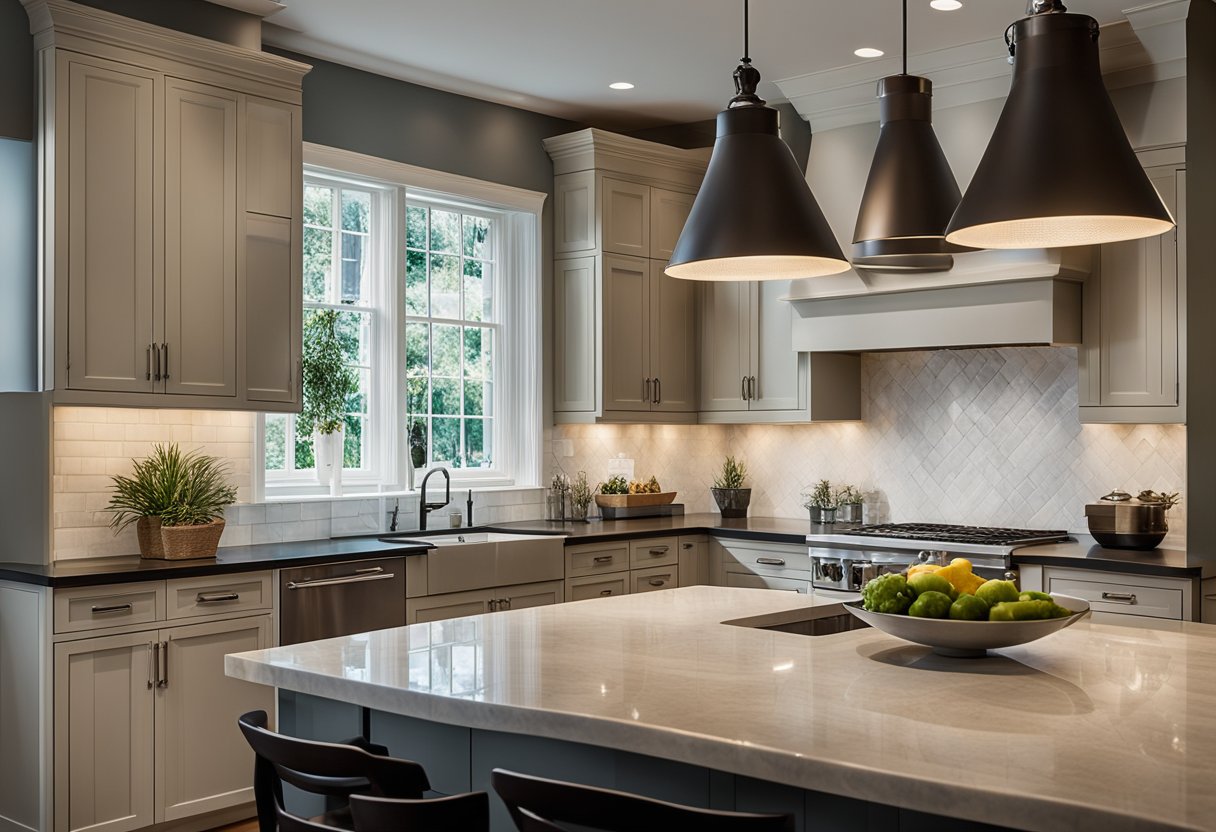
x: 911, y: 192
x: 1059, y: 170
x: 754, y: 217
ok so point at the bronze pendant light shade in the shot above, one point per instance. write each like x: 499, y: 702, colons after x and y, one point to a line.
x: 754, y: 217
x: 911, y: 193
x: 1059, y: 169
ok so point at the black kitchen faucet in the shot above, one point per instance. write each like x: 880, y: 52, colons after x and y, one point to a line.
x: 425, y: 508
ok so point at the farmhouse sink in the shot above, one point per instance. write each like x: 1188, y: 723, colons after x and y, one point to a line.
x: 462, y: 561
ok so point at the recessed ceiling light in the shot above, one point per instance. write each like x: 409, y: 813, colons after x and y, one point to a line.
x: 945, y: 5
x: 868, y: 52
x: 620, y: 85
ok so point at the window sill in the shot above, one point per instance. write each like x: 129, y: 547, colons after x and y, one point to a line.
x: 476, y: 487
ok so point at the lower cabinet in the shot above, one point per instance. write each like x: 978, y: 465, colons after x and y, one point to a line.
x: 694, y: 560
x: 479, y: 601
x: 758, y: 565
x: 1143, y: 596
x: 586, y: 587
x: 654, y: 579
x: 145, y: 724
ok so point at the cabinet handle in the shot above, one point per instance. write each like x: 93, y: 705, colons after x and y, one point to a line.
x: 603, y: 559
x: 1119, y: 597
x: 751, y: 387
x: 493, y: 605
x: 686, y: 545
x: 771, y: 561
x: 216, y: 597
x: 156, y: 362
x: 504, y: 603
x: 165, y: 347
x: 156, y: 663
x: 659, y: 550
x: 605, y: 592
x: 743, y: 388
x: 646, y: 390
x: 163, y: 682
x: 151, y: 651
x: 658, y: 391
x: 659, y: 580
x: 148, y: 363
x: 111, y: 608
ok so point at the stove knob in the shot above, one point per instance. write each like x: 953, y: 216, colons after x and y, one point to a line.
x: 924, y: 557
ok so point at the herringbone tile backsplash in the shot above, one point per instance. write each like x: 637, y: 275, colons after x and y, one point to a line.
x: 985, y: 437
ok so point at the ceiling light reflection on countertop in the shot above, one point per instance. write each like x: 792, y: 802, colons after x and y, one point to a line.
x: 868, y: 52
x: 945, y: 5
x: 782, y: 667
x: 620, y: 85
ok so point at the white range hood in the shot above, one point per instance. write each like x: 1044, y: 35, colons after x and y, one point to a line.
x: 989, y: 298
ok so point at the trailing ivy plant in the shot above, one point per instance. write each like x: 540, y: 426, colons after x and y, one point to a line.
x: 328, y: 381
x: 182, y: 489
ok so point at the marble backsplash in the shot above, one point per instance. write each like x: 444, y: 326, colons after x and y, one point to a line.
x: 988, y: 436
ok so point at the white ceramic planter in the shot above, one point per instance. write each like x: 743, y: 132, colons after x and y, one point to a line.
x: 327, y: 449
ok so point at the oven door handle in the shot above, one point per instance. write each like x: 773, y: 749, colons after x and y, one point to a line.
x: 347, y: 579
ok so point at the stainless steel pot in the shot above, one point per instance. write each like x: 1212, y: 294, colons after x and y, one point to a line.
x: 1121, y: 521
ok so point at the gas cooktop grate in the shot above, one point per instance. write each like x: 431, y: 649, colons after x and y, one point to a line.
x: 945, y: 533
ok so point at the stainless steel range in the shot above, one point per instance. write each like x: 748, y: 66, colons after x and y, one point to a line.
x: 847, y: 557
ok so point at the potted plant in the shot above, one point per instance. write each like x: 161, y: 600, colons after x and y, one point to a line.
x: 730, y: 495
x: 328, y: 381
x: 176, y: 501
x: 849, y: 502
x: 581, y: 497
x: 822, y: 503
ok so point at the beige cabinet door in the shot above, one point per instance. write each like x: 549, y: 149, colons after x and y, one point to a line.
x: 271, y: 309
x: 779, y: 372
x: 624, y: 218
x: 522, y: 596
x: 273, y: 157
x: 576, y: 335
x: 628, y: 383
x: 104, y: 747
x: 202, y: 761
x: 652, y: 580
x: 109, y: 187
x: 694, y: 560
x: 574, y: 212
x: 725, y: 345
x: 668, y: 212
x: 449, y: 605
x: 1138, y: 341
x: 200, y: 239
x: 597, y: 586
x: 673, y: 341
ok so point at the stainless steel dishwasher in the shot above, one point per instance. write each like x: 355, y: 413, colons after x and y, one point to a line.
x: 337, y: 599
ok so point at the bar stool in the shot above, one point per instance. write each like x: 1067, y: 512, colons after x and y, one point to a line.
x: 459, y: 813
x: 331, y: 769
x: 539, y: 805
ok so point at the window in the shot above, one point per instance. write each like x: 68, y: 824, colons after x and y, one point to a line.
x: 436, y: 282
x: 450, y: 332
x: 339, y: 274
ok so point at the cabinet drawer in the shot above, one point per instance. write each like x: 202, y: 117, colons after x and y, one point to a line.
x: 772, y: 560
x: 750, y: 581
x: 655, y: 551
x: 1124, y: 599
x: 654, y: 579
x: 596, y: 559
x: 597, y: 586
x: 192, y: 597
x: 95, y: 607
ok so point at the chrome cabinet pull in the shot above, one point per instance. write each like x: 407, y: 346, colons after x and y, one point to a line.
x: 165, y: 347
x: 743, y: 388
x: 347, y: 579
x: 751, y: 388
x: 658, y: 391
x: 163, y: 680
x: 156, y: 663
x: 646, y: 390
x: 659, y: 550
x: 1119, y: 597
x: 150, y: 653
x: 369, y: 570
x: 216, y: 597
x: 771, y: 561
x: 603, y: 559
x: 493, y: 605
x: 111, y: 608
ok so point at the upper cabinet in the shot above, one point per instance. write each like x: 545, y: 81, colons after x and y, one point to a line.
x: 172, y: 209
x: 1132, y: 359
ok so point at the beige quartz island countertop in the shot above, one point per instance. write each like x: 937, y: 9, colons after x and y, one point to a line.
x: 1099, y: 726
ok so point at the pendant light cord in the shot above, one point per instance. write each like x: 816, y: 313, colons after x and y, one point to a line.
x: 905, y: 53
x: 746, y: 50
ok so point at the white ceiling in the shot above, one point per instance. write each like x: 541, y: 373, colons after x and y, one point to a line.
x: 558, y: 56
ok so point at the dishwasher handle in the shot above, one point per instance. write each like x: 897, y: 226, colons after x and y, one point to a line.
x: 375, y: 573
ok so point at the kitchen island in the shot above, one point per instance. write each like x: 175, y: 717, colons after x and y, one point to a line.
x: 1097, y: 726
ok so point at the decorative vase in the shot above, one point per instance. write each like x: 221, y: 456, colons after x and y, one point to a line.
x: 187, y: 542
x: 578, y: 512
x: 328, y: 450
x: 823, y: 516
x: 849, y: 513
x: 732, y: 502
x: 147, y: 531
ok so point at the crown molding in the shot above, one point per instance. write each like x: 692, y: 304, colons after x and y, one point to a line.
x: 1149, y: 46
x: 593, y: 148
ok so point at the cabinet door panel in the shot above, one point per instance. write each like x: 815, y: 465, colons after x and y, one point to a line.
x: 104, y: 745
x: 574, y: 210
x: 780, y: 372
x: 522, y: 596
x: 597, y: 586
x: 576, y: 335
x: 203, y: 762
x: 451, y: 605
x: 626, y: 343
x: 725, y: 348
x: 272, y: 157
x: 1139, y: 303
x: 111, y: 183
x: 200, y: 239
x: 625, y: 218
x: 673, y: 340
x: 271, y: 311
x: 668, y: 212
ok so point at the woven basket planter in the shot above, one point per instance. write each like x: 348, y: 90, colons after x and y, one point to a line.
x: 178, y: 542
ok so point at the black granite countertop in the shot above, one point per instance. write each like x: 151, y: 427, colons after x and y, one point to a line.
x: 1084, y: 553
x: 772, y: 529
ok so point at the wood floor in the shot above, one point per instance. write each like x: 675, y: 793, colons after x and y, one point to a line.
x: 244, y: 826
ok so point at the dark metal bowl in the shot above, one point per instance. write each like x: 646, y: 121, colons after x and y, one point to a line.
x: 1129, y: 540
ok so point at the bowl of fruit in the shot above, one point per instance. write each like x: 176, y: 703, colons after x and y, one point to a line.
x: 621, y: 493
x: 958, y: 613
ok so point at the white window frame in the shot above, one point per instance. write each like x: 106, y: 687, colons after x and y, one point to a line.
x: 518, y: 389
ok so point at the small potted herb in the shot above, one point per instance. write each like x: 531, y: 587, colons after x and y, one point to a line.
x: 581, y: 497
x: 176, y: 501
x: 728, y: 490
x: 849, y: 505
x: 328, y: 381
x: 822, y: 503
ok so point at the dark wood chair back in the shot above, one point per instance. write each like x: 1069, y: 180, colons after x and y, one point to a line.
x: 539, y: 805
x: 458, y: 813
x: 331, y: 769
